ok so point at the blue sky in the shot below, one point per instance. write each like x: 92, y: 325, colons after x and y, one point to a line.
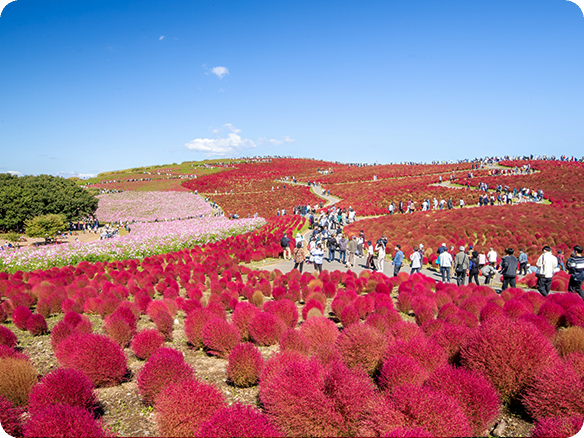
x: 96, y: 85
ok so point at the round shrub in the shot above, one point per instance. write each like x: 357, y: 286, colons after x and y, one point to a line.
x: 284, y: 309
x: 63, y: 421
x: 7, y: 337
x: 96, y: 356
x: 194, y: 323
x: 380, y: 417
x: 555, y: 390
x: 576, y: 360
x: 242, y: 316
x: 36, y: 325
x: 182, y: 407
x: 312, y: 304
x: 11, y: 352
x: 293, y: 339
x: 558, y: 427
x: 476, y: 396
x: 266, y: 329
x: 319, y: 331
x: 63, y: 329
x: 401, y: 370
x: 165, y: 324
x: 245, y: 365
x: 406, y: 433
x: 362, y: 346
x: 507, y: 352
x: 20, y: 316
x: 63, y: 387
x: 164, y: 367
x: 349, y: 315
x: 405, y: 330
x: 541, y: 323
x: 554, y: 313
x: 451, y: 338
x: 146, y: 342
x: 431, y: 410
x: 118, y: 329
x: 238, y: 420
x: 10, y: 417
x: 569, y: 340
x: 575, y: 315
x: 17, y: 378
x: 424, y: 351
x: 220, y: 337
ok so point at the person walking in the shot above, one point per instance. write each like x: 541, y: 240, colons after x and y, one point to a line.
x: 332, y: 246
x: 509, y: 265
x: 575, y: 266
x: 416, y: 262
x: 398, y: 258
x: 299, y: 257
x: 492, y: 257
x: 445, y: 264
x: 380, y: 249
x: 474, y: 268
x: 343, y: 242
x: 522, y: 262
x: 370, y: 252
x: 461, y: 263
x: 352, y: 249
x: 318, y: 255
x: 547, y: 263
x: 285, y: 244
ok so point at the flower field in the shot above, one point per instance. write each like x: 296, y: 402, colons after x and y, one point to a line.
x: 149, y: 206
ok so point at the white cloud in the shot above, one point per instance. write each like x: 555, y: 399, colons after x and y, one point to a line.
x: 64, y: 174
x: 580, y: 3
x: 161, y: 38
x: 14, y: 172
x: 286, y: 139
x: 221, y: 146
x: 3, y: 4
x: 220, y: 71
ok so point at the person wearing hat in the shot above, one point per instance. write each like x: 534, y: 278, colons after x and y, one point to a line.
x: 445, y: 260
x: 509, y: 265
x: 474, y: 268
x: 461, y: 264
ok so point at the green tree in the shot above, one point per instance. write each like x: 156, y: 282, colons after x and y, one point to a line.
x: 13, y: 237
x: 23, y: 198
x: 45, y: 226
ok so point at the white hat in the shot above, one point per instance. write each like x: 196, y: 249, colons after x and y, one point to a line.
x: 461, y: 248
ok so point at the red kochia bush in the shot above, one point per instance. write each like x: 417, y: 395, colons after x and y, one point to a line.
x: 220, y: 337
x: 194, y: 323
x: 7, y: 337
x: 362, y: 346
x: 118, y: 329
x: 555, y: 390
x: 96, y: 356
x: 10, y: 417
x: 64, y: 328
x: 293, y: 339
x: 424, y: 351
x: 285, y: 310
x: 477, y: 397
x: 164, y: 366
x: 17, y: 378
x: 569, y: 340
x: 401, y: 370
x: 63, y: 387
x: 146, y: 342
x: 319, y: 331
x: 245, y: 365
x: 36, y: 325
x: 416, y: 432
x: 266, y: 328
x: 182, y: 407
x: 508, y: 352
x: 558, y: 427
x: 63, y: 421
x: 238, y: 420
x: 431, y: 410
x: 20, y: 317
x: 242, y: 315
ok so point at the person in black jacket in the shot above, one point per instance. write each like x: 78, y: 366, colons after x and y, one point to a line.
x: 509, y: 265
x: 474, y: 270
x: 332, y: 247
x: 575, y: 266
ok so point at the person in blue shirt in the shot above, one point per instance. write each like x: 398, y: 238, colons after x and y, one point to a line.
x: 522, y: 262
x: 397, y: 260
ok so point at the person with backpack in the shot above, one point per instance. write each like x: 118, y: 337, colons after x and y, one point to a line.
x: 575, y: 266
x: 285, y: 244
x: 473, y: 268
x: 461, y: 263
x: 332, y: 246
x: 509, y: 265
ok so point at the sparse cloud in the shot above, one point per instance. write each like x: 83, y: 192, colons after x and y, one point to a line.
x: 161, y: 38
x: 3, y: 4
x: 276, y: 142
x: 64, y: 174
x: 220, y: 71
x: 580, y: 4
x: 14, y: 172
x: 221, y: 146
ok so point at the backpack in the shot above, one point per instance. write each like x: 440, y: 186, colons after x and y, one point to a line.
x: 284, y: 242
x: 470, y: 265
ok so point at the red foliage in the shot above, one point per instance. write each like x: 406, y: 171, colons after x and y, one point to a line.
x: 284, y: 309
x: 164, y: 367
x: 424, y: 351
x: 20, y: 317
x: 405, y: 330
x: 266, y: 328
x: 245, y: 365
x: 431, y: 410
x: 312, y: 303
x: 569, y: 340
x: 63, y: 387
x: 194, y: 323
x: 508, y: 352
x: 7, y: 337
x: 554, y: 313
x: 238, y: 420
x: 401, y: 370
x: 406, y: 433
x: 575, y: 315
x: 63, y: 421
x: 293, y: 339
x: 165, y: 324
x: 96, y: 356
x: 10, y: 417
x: 477, y: 397
x: 118, y: 329
x: 219, y: 337
x: 183, y: 407
x: 362, y: 346
x: 63, y: 328
x: 558, y: 427
x: 319, y: 331
x: 380, y: 417
x: 146, y: 342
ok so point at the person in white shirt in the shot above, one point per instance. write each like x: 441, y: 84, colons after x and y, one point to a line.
x: 492, y: 257
x: 482, y: 260
x: 416, y: 261
x: 380, y: 248
x: 547, y: 264
x: 445, y: 264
